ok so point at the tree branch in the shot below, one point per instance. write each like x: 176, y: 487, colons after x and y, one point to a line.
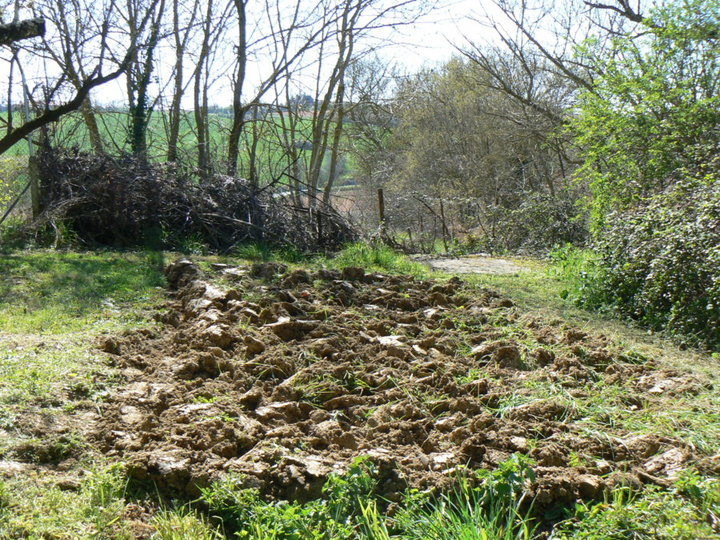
x: 625, y: 10
x: 16, y: 31
x: 51, y: 115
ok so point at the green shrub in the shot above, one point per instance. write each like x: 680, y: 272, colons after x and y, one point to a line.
x: 580, y: 271
x: 660, y: 263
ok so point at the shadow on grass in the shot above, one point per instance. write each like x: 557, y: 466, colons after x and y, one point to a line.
x: 74, y: 283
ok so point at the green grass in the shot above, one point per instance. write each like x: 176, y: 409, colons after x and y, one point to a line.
x: 35, y: 508
x: 60, y: 292
x: 351, y: 508
x: 376, y: 258
x: 686, y: 511
x: 53, y: 307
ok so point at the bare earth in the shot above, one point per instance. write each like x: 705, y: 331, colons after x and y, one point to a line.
x: 288, y: 376
x: 473, y: 264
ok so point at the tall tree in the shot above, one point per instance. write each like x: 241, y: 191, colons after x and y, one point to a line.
x: 144, y: 20
x: 106, y: 64
x: 72, y: 48
x: 651, y: 118
x: 184, y: 17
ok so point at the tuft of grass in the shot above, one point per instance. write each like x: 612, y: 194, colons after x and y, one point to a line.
x: 43, y: 510
x: 495, y: 509
x: 687, y: 511
x: 182, y: 524
x: 376, y: 257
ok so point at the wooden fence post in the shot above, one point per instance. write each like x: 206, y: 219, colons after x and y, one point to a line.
x: 381, y: 212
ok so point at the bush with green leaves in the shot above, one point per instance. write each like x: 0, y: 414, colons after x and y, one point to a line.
x: 660, y: 263
x: 651, y: 116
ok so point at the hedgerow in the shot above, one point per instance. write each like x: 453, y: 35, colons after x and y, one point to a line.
x: 659, y: 263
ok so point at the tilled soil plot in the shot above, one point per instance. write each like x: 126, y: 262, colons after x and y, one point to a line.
x: 285, y: 377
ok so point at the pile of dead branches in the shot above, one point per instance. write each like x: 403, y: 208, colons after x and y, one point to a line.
x: 127, y: 201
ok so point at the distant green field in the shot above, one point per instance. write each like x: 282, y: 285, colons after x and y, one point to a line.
x: 272, y: 159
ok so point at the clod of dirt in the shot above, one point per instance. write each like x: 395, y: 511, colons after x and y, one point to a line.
x: 49, y: 450
x: 109, y: 345
x: 289, y: 329
x: 267, y: 270
x: 668, y: 464
x: 218, y: 335
x: 502, y: 353
x: 353, y: 273
x: 252, y: 345
x: 180, y: 273
x: 544, y: 357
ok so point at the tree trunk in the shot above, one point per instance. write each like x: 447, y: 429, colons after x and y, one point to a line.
x: 174, y: 113
x: 181, y: 41
x: 88, y: 114
x: 200, y: 98
x: 140, y: 110
x: 238, y: 109
x: 335, y: 150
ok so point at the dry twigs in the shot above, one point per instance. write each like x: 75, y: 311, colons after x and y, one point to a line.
x: 127, y: 201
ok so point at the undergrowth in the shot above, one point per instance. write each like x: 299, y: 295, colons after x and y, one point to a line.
x: 489, y: 505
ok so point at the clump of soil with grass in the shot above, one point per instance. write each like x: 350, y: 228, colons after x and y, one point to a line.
x: 286, y: 376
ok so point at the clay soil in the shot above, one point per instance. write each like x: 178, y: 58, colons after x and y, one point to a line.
x: 284, y: 377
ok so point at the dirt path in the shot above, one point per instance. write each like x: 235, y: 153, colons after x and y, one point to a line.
x: 473, y: 264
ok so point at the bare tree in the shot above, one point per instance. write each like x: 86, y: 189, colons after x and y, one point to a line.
x: 94, y: 74
x: 291, y: 31
x: 183, y: 20
x: 329, y: 109
x: 143, y: 19
x: 77, y: 23
x: 212, y: 31
x: 347, y: 27
x: 543, y: 36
